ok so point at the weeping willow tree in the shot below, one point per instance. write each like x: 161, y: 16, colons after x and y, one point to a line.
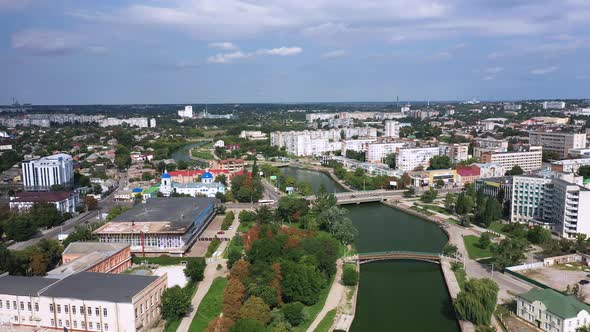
x: 477, y: 301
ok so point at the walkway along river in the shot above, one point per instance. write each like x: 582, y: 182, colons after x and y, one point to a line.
x: 394, y: 295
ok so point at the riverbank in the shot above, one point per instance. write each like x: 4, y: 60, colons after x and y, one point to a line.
x: 326, y: 170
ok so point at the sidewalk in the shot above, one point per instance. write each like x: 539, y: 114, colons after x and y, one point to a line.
x: 337, y: 290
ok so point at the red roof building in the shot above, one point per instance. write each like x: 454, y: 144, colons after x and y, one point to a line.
x: 467, y: 174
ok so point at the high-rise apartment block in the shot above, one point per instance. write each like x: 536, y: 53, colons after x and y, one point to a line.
x: 187, y: 112
x: 308, y: 143
x: 554, y: 105
x: 529, y: 158
x: 408, y: 159
x: 41, y: 174
x: 557, y: 142
x: 376, y: 152
x: 391, y: 129
x: 457, y: 152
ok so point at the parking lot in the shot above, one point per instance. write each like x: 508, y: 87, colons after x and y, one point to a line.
x: 200, y: 247
x: 559, y: 277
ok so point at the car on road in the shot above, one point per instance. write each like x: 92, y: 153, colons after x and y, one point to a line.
x: 221, y: 232
x: 584, y: 282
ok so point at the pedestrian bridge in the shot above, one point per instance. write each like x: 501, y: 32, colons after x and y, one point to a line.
x: 357, y: 197
x: 432, y: 257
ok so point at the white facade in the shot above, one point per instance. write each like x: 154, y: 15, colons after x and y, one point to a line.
x: 391, y: 129
x: 153, y: 123
x: 318, y: 142
x: 541, y: 311
x: 254, y: 135
x: 41, y: 174
x: 554, y: 105
x: 358, y: 145
x: 527, y: 160
x: 409, y: 159
x: 376, y: 152
x: 560, y: 143
x: 132, y: 122
x: 206, y: 187
x: 457, y: 152
x: 186, y: 113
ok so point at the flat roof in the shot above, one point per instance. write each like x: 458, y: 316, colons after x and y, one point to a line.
x: 83, y: 248
x: 23, y: 286
x: 92, y: 286
x: 42, y: 196
x: 177, y: 210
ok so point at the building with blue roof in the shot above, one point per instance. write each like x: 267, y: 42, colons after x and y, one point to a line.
x: 207, y: 187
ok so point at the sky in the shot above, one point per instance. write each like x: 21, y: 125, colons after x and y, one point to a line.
x: 241, y: 51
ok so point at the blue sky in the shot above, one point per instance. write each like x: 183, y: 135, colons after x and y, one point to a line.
x: 216, y: 51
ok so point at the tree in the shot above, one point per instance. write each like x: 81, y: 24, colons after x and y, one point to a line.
x: 247, y: 216
x: 449, y: 202
x: 410, y: 192
x: 439, y: 183
x: 175, y: 303
x: 45, y: 215
x: 538, y: 235
x: 267, y: 293
x: 255, y: 308
x: 477, y: 301
x: 440, y: 162
x: 240, y: 270
x: 576, y: 291
x: 291, y: 208
x: 584, y: 171
x: 220, y: 324
x: 515, y: 170
x: 484, y: 240
x: 137, y: 199
x: 233, y: 295
x: 450, y: 250
x: 195, y: 269
x: 301, y: 282
x: 343, y: 230
x: 91, y: 203
x: 389, y: 160
x: 221, y: 178
x: 550, y: 155
x: 509, y: 252
x: 19, y: 228
x: 293, y: 313
x: 247, y: 325
x: 349, y: 275
x: 429, y: 196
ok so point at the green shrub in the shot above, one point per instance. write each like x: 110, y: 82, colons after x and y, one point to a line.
x: 293, y: 313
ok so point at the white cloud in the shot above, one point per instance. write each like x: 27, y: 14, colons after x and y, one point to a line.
x: 226, y: 46
x: 334, y: 54
x: 543, y: 70
x: 46, y: 42
x: 227, y: 57
x: 282, y: 51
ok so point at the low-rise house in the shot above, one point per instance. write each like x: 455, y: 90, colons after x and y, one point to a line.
x: 93, y: 257
x: 467, y: 174
x: 552, y: 311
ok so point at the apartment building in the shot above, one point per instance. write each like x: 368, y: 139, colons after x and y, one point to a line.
x: 489, y: 144
x: 64, y: 201
x: 408, y: 159
x: 391, y: 129
x: 318, y: 142
x: 457, y: 152
x: 358, y: 145
x: 40, y: 174
x: 553, y: 105
x: 569, y: 165
x: 376, y: 152
x: 560, y: 205
x: 85, y: 301
x: 530, y: 158
x: 254, y: 135
x: 558, y: 142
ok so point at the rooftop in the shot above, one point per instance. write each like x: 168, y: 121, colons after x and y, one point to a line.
x: 40, y: 197
x: 23, y: 286
x: 83, y: 248
x: 105, y: 286
x: 564, y: 306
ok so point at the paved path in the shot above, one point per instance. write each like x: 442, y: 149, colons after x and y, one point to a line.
x: 336, y: 292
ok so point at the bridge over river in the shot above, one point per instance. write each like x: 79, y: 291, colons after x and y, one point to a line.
x: 357, y: 197
x: 432, y: 257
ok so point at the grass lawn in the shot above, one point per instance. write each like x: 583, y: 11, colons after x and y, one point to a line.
x: 245, y: 226
x: 473, y: 250
x: 202, y: 154
x: 326, y: 322
x: 210, y: 307
x: 436, y: 208
x: 421, y: 210
x: 453, y: 221
x: 314, y: 310
x: 461, y: 277
x: 232, y: 245
x: 162, y: 260
x: 496, y: 227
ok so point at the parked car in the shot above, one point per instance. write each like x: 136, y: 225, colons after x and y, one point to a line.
x: 584, y: 282
x: 221, y: 232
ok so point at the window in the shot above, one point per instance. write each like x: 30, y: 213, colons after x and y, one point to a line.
x: 104, y: 312
x: 90, y: 325
x: 135, y: 312
x: 22, y: 305
x: 98, y: 326
x: 75, y: 324
x: 97, y: 311
x: 106, y: 326
x: 0, y: 304
x: 73, y: 309
x: 66, y: 308
x: 59, y: 322
x: 14, y: 304
x: 89, y: 311
x: 52, y: 322
x: 81, y: 310
x: 51, y: 307
x: 59, y: 308
x: 82, y: 324
x: 67, y: 323
x: 141, y: 306
x: 36, y: 306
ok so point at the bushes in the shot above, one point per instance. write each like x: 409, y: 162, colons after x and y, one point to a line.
x: 477, y: 301
x: 293, y: 313
x: 213, y: 246
x: 349, y: 275
x: 175, y: 303
x: 228, y: 220
x: 195, y: 269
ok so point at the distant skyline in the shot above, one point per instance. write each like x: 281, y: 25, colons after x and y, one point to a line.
x: 280, y: 51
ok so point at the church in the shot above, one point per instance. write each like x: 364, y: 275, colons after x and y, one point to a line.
x: 207, y: 187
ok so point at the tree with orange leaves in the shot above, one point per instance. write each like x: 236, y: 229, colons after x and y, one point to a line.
x: 233, y: 295
x: 220, y: 324
x: 240, y: 270
x: 276, y: 282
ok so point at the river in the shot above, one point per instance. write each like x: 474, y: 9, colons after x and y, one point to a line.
x: 394, y: 295
x: 183, y: 152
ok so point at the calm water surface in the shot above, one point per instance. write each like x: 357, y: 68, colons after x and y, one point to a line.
x: 316, y: 179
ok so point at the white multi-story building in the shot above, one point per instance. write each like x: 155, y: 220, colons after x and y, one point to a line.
x: 552, y: 311
x: 64, y: 201
x: 554, y: 105
x: 558, y: 142
x: 311, y: 117
x: 569, y: 165
x: 85, y: 301
x: 187, y: 112
x: 391, y: 129
x: 529, y: 160
x: 254, y: 135
x: 358, y: 145
x: 376, y: 152
x: 132, y: 122
x: 512, y: 107
x: 457, y: 152
x: 153, y: 123
x: 41, y: 174
x: 554, y: 202
x: 307, y: 143
x: 408, y: 159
